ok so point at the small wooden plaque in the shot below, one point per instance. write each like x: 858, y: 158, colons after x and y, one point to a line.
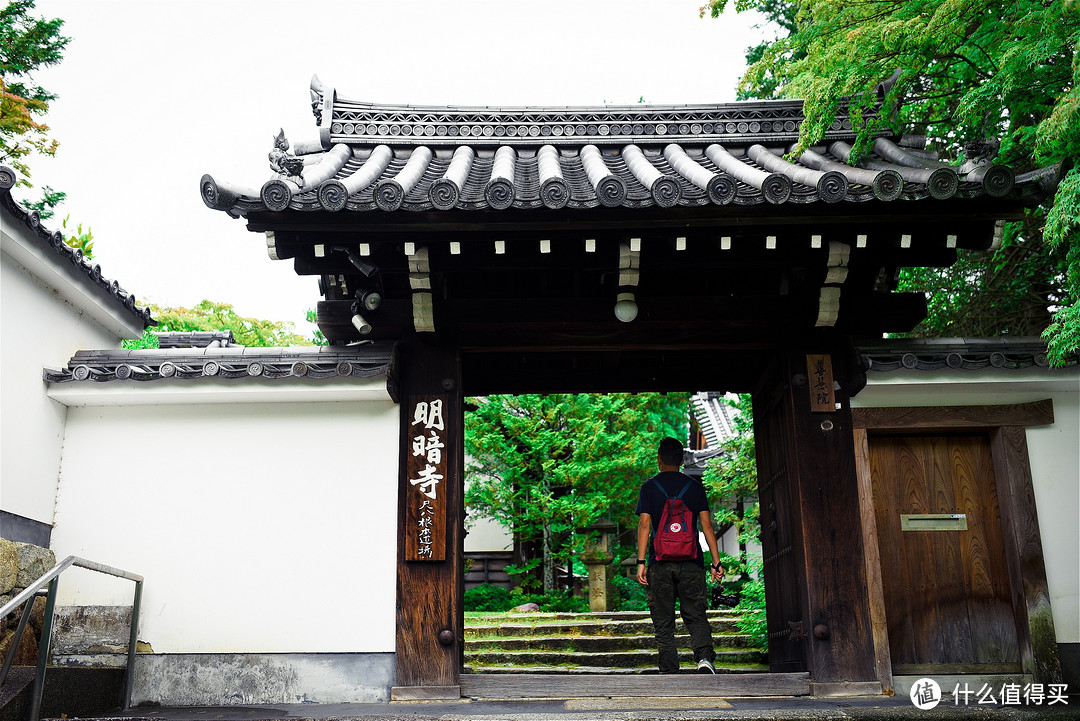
x: 425, y: 476
x: 820, y: 378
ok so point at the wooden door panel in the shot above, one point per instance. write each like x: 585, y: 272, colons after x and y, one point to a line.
x: 947, y: 594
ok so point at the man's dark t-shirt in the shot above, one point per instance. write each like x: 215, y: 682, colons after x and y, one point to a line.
x: 651, y: 501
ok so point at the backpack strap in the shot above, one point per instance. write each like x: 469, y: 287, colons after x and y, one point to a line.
x: 680, y: 494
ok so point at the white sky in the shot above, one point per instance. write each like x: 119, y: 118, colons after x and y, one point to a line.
x: 152, y: 94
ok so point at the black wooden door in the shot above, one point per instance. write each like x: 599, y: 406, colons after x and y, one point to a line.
x: 780, y: 543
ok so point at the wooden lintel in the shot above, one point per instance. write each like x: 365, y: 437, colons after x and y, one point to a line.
x: 1038, y: 413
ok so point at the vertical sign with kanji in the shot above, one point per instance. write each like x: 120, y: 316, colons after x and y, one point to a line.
x: 819, y: 372
x: 425, y: 494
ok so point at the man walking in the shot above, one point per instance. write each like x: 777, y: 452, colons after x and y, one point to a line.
x: 684, y: 578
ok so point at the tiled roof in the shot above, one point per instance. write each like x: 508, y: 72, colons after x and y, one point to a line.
x: 715, y: 416
x: 390, y: 157
x: 931, y: 354
x: 229, y: 362
x: 79, y: 269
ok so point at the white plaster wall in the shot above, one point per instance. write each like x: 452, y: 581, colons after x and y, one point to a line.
x: 38, y: 329
x: 259, y: 527
x: 486, y: 534
x: 1054, y: 452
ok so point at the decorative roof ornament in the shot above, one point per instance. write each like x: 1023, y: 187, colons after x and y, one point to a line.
x: 285, y: 163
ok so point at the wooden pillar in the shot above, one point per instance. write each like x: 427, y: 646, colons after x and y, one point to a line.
x: 430, y: 615
x: 811, y: 526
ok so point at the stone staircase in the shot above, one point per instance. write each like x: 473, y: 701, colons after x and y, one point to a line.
x: 593, y: 643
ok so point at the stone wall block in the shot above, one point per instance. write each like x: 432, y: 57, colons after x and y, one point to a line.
x: 27, y: 654
x: 37, y: 616
x: 34, y: 562
x: 9, y: 566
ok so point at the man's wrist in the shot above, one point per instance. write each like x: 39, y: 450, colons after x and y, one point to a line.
x: 641, y: 562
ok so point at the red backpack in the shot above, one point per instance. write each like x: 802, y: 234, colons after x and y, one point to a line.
x: 674, y: 538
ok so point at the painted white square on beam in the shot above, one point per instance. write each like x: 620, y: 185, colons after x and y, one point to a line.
x: 860, y: 241
x: 635, y: 245
x: 545, y: 246
x: 725, y: 242
x: 410, y: 248
x: 770, y: 242
x: 455, y: 247
x: 680, y: 243
x: 365, y: 249
x: 320, y: 250
x: 815, y: 241
x: 590, y: 245
x: 905, y: 241
x: 500, y: 247
x: 950, y: 241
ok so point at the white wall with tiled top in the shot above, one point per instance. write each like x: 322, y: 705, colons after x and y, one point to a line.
x: 260, y: 527
x: 38, y: 329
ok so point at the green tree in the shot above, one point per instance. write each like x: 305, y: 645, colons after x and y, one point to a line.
x: 317, y: 337
x: 956, y: 72
x: 212, y: 316
x: 27, y: 44
x: 545, y: 465
x: 80, y: 239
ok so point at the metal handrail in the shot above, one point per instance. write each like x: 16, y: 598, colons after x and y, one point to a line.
x: 51, y: 579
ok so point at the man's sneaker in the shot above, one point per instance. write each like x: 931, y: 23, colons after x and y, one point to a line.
x: 705, y: 666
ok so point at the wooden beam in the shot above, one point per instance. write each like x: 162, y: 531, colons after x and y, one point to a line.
x: 430, y: 617
x: 1024, y: 554
x: 874, y: 588
x: 975, y: 211
x: 941, y: 418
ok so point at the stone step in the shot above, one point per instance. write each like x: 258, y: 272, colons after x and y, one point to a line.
x: 587, y: 644
x: 581, y: 685
x: 593, y: 627
x: 540, y: 616
x: 608, y: 670
x: 615, y: 659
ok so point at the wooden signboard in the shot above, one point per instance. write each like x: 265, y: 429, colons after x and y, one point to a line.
x: 425, y: 494
x: 820, y: 373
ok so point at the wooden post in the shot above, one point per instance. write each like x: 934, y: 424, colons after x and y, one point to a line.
x: 827, y: 624
x: 430, y: 618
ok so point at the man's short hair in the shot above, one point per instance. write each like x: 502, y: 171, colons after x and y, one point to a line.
x: 671, y: 451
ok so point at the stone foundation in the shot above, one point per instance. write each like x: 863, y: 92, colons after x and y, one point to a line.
x: 20, y: 565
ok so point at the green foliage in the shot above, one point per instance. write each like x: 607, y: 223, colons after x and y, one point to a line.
x: 212, y: 316
x: 954, y: 70
x: 82, y: 240
x: 554, y: 602
x: 148, y: 340
x: 751, y: 607
x: 546, y: 465
x: 317, y: 337
x: 782, y: 15
x: 629, y: 594
x: 26, y: 44
x: 487, y: 597
x: 46, y: 206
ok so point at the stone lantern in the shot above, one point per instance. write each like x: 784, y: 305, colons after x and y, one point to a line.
x: 597, y: 556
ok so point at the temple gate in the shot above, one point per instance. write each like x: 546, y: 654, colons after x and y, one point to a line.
x: 532, y: 250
